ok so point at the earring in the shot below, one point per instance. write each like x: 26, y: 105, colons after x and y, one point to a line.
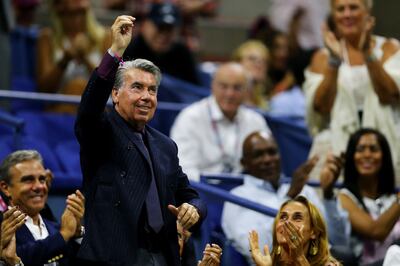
x: 278, y: 250
x: 314, y: 248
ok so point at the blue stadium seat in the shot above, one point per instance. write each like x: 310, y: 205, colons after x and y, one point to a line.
x: 178, y: 91
x: 23, y: 73
x: 50, y: 160
x: 53, y: 128
x: 24, y: 83
x: 165, y: 116
x: 23, y: 43
x: 224, y: 181
x: 293, y: 140
x: 68, y: 155
x: 211, y: 231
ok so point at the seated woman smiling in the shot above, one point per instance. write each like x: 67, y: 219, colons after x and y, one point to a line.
x: 299, y: 238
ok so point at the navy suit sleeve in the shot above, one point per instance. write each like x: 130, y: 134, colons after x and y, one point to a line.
x: 40, y: 251
x: 94, y: 100
x: 185, y: 193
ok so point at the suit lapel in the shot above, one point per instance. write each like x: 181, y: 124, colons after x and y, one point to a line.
x: 24, y: 235
x: 51, y: 228
x: 130, y: 134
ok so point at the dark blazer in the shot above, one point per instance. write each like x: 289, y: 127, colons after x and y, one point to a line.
x: 38, y: 252
x: 116, y: 178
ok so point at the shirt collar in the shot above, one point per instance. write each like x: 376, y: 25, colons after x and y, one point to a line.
x: 29, y: 220
x: 257, y: 182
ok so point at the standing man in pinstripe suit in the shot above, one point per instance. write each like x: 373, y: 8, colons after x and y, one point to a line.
x: 134, y: 186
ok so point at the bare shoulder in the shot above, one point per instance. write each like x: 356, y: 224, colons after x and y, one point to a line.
x: 346, y: 201
x: 44, y: 40
x: 319, y: 61
x: 389, y: 48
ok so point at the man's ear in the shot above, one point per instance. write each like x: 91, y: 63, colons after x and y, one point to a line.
x: 242, y: 161
x: 49, y: 177
x: 114, y: 95
x: 4, y: 187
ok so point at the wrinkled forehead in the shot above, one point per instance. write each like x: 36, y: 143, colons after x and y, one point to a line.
x: 294, y: 207
x: 263, y: 137
x: 230, y: 72
x: 133, y: 75
x: 27, y: 168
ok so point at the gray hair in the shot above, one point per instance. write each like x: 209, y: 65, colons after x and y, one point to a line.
x: 16, y: 158
x: 141, y: 64
x: 368, y: 4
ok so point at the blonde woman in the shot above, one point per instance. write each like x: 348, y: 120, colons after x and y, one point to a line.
x: 300, y: 237
x: 253, y: 55
x: 69, y: 51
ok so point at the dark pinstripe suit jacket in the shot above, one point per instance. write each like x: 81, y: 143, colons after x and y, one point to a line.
x: 38, y: 252
x: 116, y: 178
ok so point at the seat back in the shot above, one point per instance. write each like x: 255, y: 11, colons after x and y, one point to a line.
x: 293, y: 140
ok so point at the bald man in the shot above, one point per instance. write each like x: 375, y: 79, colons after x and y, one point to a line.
x: 262, y: 183
x: 210, y: 133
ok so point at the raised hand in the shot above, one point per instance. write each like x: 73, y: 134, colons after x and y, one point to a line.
x: 365, y: 41
x: 331, y: 42
x: 212, y: 255
x: 300, y: 176
x: 81, y: 45
x: 121, y: 34
x: 330, y: 173
x: 186, y: 214
x: 259, y: 258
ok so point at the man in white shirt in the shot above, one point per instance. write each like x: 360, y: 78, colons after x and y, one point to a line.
x: 209, y: 133
x: 263, y: 184
x: 25, y: 181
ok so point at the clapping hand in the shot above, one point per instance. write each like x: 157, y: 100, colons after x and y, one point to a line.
x: 73, y: 213
x: 331, y: 42
x: 330, y: 173
x: 186, y: 214
x: 364, y: 44
x: 259, y: 258
x: 76, y: 204
x: 12, y: 220
x: 212, y: 255
x: 300, y: 176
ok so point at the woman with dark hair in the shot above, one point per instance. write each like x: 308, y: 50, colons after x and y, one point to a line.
x: 369, y: 195
x: 300, y: 237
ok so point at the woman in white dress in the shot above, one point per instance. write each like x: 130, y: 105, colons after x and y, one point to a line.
x: 353, y: 82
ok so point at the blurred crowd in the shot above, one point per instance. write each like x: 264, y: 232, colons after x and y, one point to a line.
x: 317, y: 61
